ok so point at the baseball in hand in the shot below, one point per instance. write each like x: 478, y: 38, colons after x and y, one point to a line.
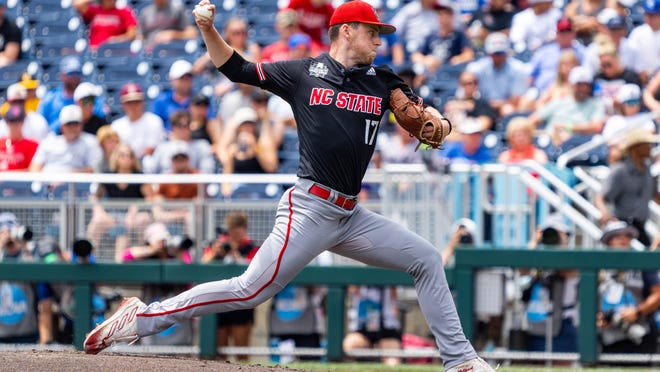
x: 203, y: 12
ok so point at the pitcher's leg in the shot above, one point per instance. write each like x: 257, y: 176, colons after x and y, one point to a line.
x: 378, y: 241
x: 297, y: 237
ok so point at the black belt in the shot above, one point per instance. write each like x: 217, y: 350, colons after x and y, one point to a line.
x: 324, y: 193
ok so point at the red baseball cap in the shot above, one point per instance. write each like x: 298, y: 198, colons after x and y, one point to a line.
x: 359, y: 11
x: 131, y: 92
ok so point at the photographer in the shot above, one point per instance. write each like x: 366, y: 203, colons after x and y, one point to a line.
x: 233, y: 246
x: 161, y: 245
x: 628, y: 300
x: 550, y: 301
x: 18, y: 309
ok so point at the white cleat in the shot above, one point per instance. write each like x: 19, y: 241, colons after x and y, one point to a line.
x: 120, y: 327
x: 472, y: 365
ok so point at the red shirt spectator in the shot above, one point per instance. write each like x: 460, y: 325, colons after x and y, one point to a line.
x: 16, y: 152
x: 107, y: 22
x: 313, y: 16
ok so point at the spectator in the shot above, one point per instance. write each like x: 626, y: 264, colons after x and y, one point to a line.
x: 55, y: 99
x: 313, y: 17
x: 447, y: 46
x: 107, y: 22
x: 628, y: 300
x: 391, y: 51
x: 32, y: 100
x: 627, y: 109
x: 233, y: 246
x: 18, y: 325
x: 248, y: 148
x: 612, y: 75
x: 560, y: 88
x: 584, y: 14
x: 652, y: 93
x: 470, y: 149
x: 520, y: 137
x: 545, y: 60
x: 492, y: 16
x: 162, y: 22
x: 159, y: 246
x: 612, y: 31
x: 119, y: 222
x: 552, y: 295
x: 199, y: 150
x: 534, y: 26
x: 85, y: 97
x: 645, y: 41
x: 468, y: 104
x: 71, y: 151
x: 140, y: 129
x: 581, y: 114
x: 11, y: 38
x: 630, y: 186
x: 108, y: 140
x: 286, y: 25
x: 234, y: 100
x: 202, y: 127
x: 35, y: 126
x: 503, y: 79
x: 16, y: 151
x: 235, y: 34
x: 374, y: 321
x: 414, y: 22
x: 398, y: 147
x: 178, y: 98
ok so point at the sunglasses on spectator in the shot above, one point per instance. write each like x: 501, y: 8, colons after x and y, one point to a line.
x: 14, y: 121
x: 468, y: 82
x: 88, y: 101
x: 180, y: 157
x: 631, y: 102
x: 181, y: 125
x: 124, y: 154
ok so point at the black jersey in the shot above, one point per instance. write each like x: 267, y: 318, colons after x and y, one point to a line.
x: 337, y: 111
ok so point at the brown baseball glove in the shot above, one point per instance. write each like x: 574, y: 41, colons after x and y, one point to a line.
x: 418, y: 120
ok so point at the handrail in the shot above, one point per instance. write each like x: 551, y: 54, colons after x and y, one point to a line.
x: 598, y: 139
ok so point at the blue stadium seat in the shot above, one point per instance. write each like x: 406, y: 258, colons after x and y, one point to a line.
x: 257, y: 192
x: 178, y: 49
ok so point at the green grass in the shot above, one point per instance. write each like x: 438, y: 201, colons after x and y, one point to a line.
x: 374, y: 367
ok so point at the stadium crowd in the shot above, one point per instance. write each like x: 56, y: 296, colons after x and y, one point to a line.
x: 132, y: 91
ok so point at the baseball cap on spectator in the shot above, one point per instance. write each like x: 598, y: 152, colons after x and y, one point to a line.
x: 555, y: 221
x: 28, y: 81
x: 131, y: 92
x: 16, y: 92
x: 85, y: 90
x: 616, y: 23
x: 286, y: 18
x: 156, y: 232
x: 605, y: 15
x: 627, y: 3
x: 359, y: 11
x: 70, y: 65
x: 180, y: 148
x: 179, y: 69
x: 8, y: 220
x: 200, y: 99
x: 564, y: 24
x: 580, y: 74
x: 70, y: 114
x: 628, y: 92
x: 244, y: 115
x: 299, y: 40
x: 496, y: 42
x: 470, y: 127
x: 652, y: 6
x: 614, y: 228
x: 15, y: 112
x: 443, y: 5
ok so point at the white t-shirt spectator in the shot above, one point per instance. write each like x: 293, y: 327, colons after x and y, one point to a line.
x: 59, y: 155
x: 529, y: 30
x: 146, y: 132
x: 645, y: 44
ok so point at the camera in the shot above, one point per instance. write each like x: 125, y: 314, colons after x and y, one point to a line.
x: 466, y: 238
x: 634, y: 331
x: 178, y: 243
x: 550, y: 236
x: 22, y: 233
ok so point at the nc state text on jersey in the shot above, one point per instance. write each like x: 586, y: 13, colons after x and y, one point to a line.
x: 348, y: 101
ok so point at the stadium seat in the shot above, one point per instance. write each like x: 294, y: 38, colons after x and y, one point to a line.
x: 178, y: 49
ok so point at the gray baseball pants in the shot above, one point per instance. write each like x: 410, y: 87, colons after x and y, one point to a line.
x: 305, y: 226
